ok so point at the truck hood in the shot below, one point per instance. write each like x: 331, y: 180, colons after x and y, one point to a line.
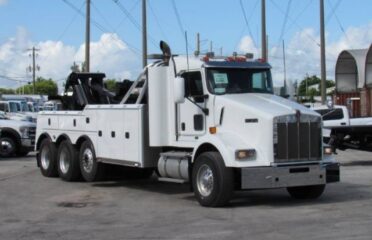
x: 247, y: 120
x: 264, y: 105
x: 8, y: 123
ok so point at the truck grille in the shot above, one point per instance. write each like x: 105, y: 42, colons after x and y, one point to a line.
x: 32, y: 133
x: 297, y: 139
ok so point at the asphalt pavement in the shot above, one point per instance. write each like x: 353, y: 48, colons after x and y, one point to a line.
x: 35, y: 207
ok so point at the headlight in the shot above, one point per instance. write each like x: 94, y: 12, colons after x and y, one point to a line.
x: 245, y: 154
x: 327, y: 150
x: 24, y: 132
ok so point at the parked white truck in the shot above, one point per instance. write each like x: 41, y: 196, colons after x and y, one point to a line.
x: 16, y: 137
x: 341, y: 130
x: 212, y: 122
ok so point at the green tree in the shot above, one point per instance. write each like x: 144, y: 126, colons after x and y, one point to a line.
x: 7, y: 91
x: 304, y: 90
x: 111, y: 85
x: 42, y: 86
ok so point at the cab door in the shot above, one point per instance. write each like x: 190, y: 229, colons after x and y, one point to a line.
x: 191, y: 121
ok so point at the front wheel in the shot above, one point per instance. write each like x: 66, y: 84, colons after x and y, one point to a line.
x: 7, y: 147
x: 306, y: 192
x: 212, y: 181
x: 91, y: 170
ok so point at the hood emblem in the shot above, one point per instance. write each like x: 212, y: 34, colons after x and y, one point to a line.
x: 298, y: 115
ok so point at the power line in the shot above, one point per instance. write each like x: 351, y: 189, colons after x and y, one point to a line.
x: 157, y: 21
x: 339, y: 22
x: 133, y: 20
x: 70, y: 23
x: 295, y: 23
x: 125, y: 17
x: 333, y: 10
x: 101, y: 15
x: 102, y: 29
x: 246, y: 19
x: 13, y: 78
x: 297, y: 17
x: 285, y: 21
x: 178, y: 17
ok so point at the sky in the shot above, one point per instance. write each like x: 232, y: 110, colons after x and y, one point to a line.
x: 57, y: 29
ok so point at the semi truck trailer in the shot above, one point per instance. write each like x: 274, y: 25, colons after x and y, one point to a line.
x: 211, y: 122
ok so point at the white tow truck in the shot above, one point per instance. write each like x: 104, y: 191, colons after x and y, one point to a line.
x: 214, y: 123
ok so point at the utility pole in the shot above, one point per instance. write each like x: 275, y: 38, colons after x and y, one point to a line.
x: 144, y: 34
x: 34, y: 67
x: 285, y: 71
x: 263, y: 30
x: 322, y: 54
x: 87, y: 37
x: 210, y: 46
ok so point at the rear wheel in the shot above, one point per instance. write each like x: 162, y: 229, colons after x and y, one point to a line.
x: 7, y: 147
x: 91, y: 170
x: 306, y: 192
x: 212, y: 181
x: 68, y: 162
x: 47, y: 158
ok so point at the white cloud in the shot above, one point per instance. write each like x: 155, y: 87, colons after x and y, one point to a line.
x: 109, y: 54
x: 3, y: 2
x: 303, y: 53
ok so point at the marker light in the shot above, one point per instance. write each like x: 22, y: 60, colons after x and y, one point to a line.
x: 212, y: 130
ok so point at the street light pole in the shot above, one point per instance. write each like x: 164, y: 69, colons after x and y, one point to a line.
x: 87, y: 37
x: 144, y: 34
x: 322, y: 54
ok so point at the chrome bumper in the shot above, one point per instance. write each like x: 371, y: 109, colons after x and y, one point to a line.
x: 289, y: 176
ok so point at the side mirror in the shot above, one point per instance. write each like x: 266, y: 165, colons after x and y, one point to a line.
x: 179, y: 90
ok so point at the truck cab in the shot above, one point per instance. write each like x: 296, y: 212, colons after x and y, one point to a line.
x: 212, y: 122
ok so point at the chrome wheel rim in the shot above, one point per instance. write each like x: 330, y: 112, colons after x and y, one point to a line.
x: 205, y: 180
x: 88, y: 160
x: 64, y: 163
x: 6, y: 146
x: 45, y: 157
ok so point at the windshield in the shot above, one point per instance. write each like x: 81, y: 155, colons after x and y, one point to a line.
x: 237, y: 80
x: 25, y: 107
x: 14, y: 107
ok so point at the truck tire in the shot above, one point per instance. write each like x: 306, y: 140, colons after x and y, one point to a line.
x: 91, y: 170
x: 7, y: 147
x: 47, y: 158
x: 306, y: 192
x: 212, y: 181
x: 68, y: 162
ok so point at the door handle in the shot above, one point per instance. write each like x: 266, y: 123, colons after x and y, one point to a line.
x: 343, y: 123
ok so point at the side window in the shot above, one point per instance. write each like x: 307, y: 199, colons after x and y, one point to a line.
x: 193, y: 83
x: 2, y: 107
x: 334, y: 114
